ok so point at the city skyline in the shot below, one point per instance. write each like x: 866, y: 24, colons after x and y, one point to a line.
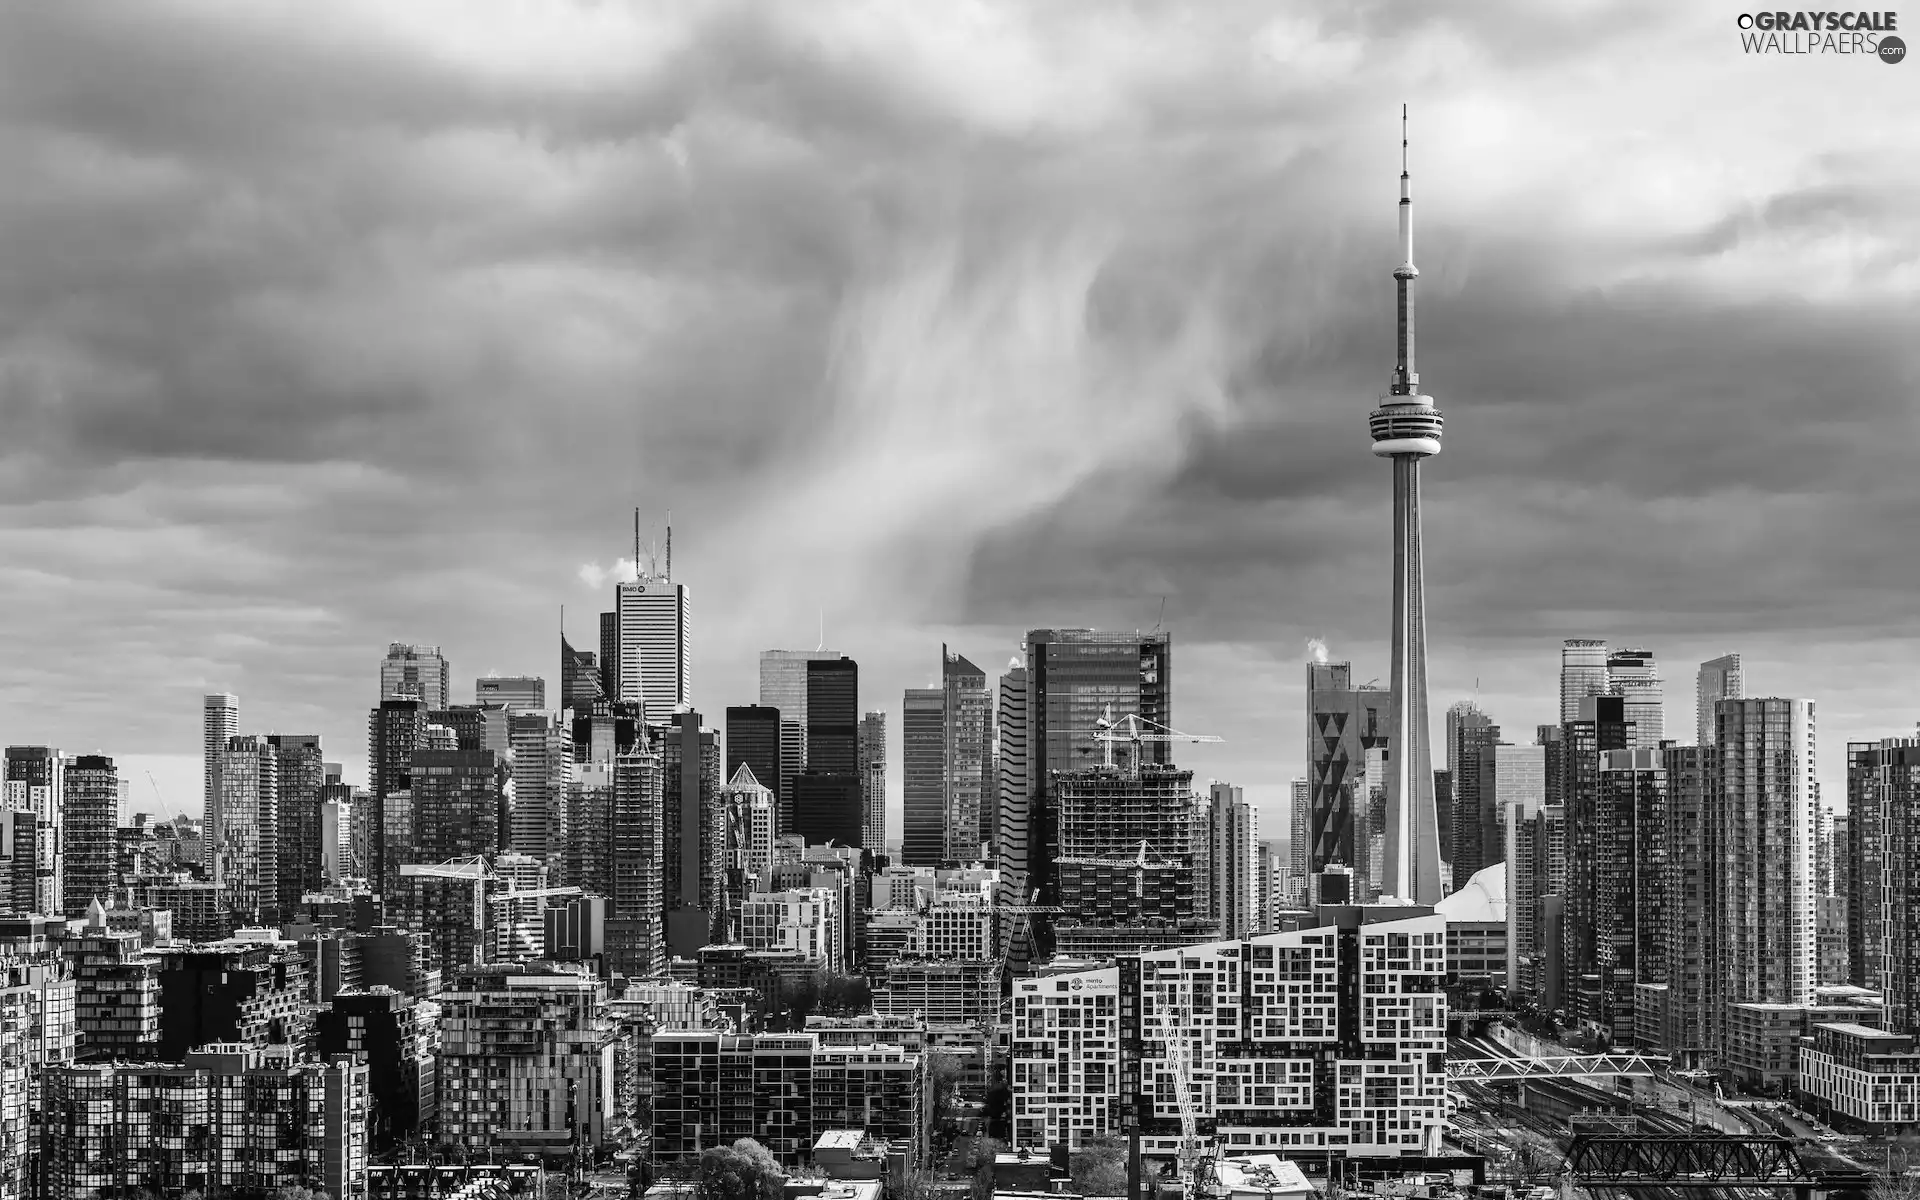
x: 248, y: 465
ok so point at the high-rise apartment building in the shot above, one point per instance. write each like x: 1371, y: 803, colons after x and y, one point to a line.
x: 526, y: 1050
x: 1325, y: 1042
x: 784, y: 686
x: 91, y: 799
x: 416, y: 673
x: 1633, y: 676
x: 243, y: 827
x: 1719, y: 679
x: 301, y: 775
x: 34, y: 775
x: 1690, y: 1023
x: 968, y: 737
x: 1471, y: 738
x: 1583, y: 673
x: 397, y: 1041
x: 1899, y: 917
x: 872, y: 768
x: 694, y: 837
x: 219, y: 721
x: 635, y: 889
x: 1299, y: 834
x: 1592, y: 845
x: 654, y: 653
x: 1764, y: 801
x: 541, y: 765
x: 1233, y: 861
x: 1866, y: 865
x: 923, y: 715
x: 515, y: 693
x: 1343, y: 723
x: 1010, y: 838
x: 458, y: 805
x: 1627, y: 905
x: 394, y: 730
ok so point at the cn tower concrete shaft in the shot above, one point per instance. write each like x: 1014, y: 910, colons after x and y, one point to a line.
x: 1406, y: 428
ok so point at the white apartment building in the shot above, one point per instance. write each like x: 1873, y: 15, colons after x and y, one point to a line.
x: 806, y: 920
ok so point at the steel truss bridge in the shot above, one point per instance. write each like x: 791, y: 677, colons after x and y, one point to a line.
x: 1511, y: 1070
x: 1647, y: 1164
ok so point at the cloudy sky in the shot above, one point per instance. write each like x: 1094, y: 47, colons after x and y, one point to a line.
x: 328, y: 325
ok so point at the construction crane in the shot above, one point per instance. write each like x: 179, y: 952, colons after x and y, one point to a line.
x: 1173, y: 1018
x: 1107, y: 731
x: 476, y: 869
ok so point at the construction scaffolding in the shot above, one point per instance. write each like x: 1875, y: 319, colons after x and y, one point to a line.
x: 1126, y: 845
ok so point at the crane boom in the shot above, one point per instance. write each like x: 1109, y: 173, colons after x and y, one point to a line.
x: 1107, y: 731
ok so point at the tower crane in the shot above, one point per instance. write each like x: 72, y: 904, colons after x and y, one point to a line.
x: 1173, y: 1020
x: 1137, y: 730
x: 477, y: 870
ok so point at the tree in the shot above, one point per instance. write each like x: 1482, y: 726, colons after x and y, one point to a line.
x: 944, y: 1085
x: 742, y: 1171
x: 999, y: 1104
x: 990, y: 1149
x: 1099, y: 1167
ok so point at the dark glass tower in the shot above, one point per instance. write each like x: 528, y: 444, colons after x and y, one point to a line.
x: 753, y: 739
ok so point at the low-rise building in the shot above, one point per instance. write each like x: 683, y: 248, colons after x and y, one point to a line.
x: 1861, y: 1078
x: 1762, y: 1051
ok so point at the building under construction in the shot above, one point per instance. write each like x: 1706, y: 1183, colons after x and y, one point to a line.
x: 1126, y: 841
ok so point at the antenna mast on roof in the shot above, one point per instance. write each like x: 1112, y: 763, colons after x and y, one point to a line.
x: 636, y: 543
x: 669, y: 544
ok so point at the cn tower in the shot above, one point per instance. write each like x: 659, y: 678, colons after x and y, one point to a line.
x: 1406, y: 428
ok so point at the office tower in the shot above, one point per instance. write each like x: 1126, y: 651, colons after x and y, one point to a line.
x: 747, y: 806
x: 1690, y: 1025
x: 475, y: 727
x: 1866, y: 864
x: 300, y: 775
x: 515, y: 693
x: 1312, y: 1007
x: 580, y: 681
x: 218, y: 1116
x: 1719, y: 679
x: 873, y: 782
x: 610, y: 655
x: 784, y: 686
x: 1073, y: 677
x: 1343, y: 723
x: 969, y: 755
x: 1583, y: 673
x: 1406, y: 428
x: 398, y: 1042
x: 541, y: 765
x: 1011, y: 834
x: 457, y: 805
x: 1519, y: 777
x: 33, y: 779
x: 833, y: 716
x: 1471, y: 738
x: 393, y: 731
x: 694, y: 836
x: 415, y: 673
x: 1898, y: 767
x: 754, y: 740
x: 1633, y: 676
x: 219, y: 720
x: 527, y: 1047
x: 91, y: 798
x: 1764, y: 801
x: 636, y: 934
x: 923, y: 715
x: 654, y: 654
x: 827, y: 809
x: 1233, y: 861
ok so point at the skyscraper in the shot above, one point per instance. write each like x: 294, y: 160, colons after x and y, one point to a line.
x: 1898, y: 766
x: 302, y: 779
x: 1763, y: 802
x: 1343, y: 723
x: 416, y: 673
x: 1010, y: 742
x: 542, y: 765
x: 515, y: 693
x: 1471, y: 738
x: 219, y: 720
x: 580, y: 681
x: 653, y: 645
x: 610, y: 655
x: 753, y: 739
x: 1233, y: 861
x: 1299, y: 835
x: 393, y: 731
x: 1633, y: 676
x: 1689, y: 1029
x: 1866, y: 861
x: 1583, y: 673
x: 923, y: 713
x: 783, y: 685
x: 1719, y: 679
x: 694, y: 840
x: 1073, y: 677
x: 968, y: 728
x: 92, y: 804
x: 243, y: 827
x: 833, y: 716
x: 1406, y: 428
x: 873, y: 781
